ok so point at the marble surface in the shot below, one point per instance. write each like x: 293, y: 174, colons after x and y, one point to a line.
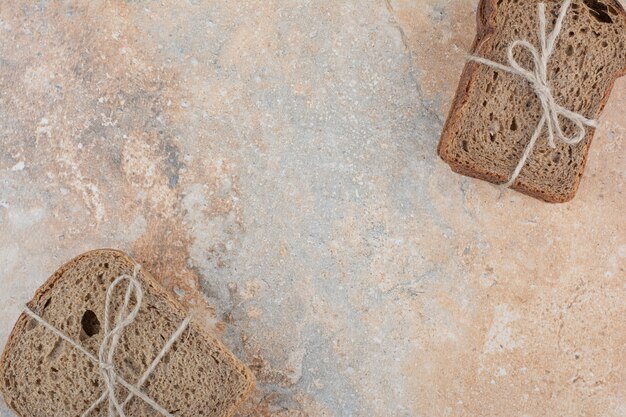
x: 274, y: 164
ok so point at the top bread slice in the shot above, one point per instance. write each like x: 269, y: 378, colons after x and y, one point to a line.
x: 495, y: 113
x: 41, y: 375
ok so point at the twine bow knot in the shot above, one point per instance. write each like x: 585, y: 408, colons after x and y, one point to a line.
x: 112, y: 336
x: 106, y: 366
x: 110, y: 340
x: 538, y: 78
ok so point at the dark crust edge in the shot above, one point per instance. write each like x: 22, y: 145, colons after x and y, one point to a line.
x: 23, y: 320
x: 484, y: 28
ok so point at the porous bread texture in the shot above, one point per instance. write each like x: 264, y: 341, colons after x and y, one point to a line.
x: 495, y: 113
x: 42, y: 375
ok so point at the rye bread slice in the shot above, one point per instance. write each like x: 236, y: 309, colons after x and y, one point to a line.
x: 42, y: 375
x: 495, y: 113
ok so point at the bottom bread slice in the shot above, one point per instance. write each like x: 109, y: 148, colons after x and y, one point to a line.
x: 43, y: 375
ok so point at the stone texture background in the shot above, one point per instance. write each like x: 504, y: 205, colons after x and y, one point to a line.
x: 273, y: 162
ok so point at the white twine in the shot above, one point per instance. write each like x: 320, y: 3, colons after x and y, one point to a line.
x: 538, y: 78
x: 109, y: 343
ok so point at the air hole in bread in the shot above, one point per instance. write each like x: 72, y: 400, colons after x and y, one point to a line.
x: 599, y: 11
x: 90, y: 323
x: 56, y: 350
x: 31, y: 325
x: 130, y: 364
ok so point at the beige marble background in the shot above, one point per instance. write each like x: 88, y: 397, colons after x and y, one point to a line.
x: 273, y: 162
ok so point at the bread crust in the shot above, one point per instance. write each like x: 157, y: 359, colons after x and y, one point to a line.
x: 485, y: 27
x: 40, y: 293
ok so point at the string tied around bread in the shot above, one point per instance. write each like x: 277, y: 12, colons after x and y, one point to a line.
x: 113, y: 331
x: 538, y: 79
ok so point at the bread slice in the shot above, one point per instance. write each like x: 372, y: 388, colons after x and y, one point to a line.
x: 42, y: 375
x: 495, y: 113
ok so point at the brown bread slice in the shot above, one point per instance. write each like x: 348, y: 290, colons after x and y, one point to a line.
x: 42, y: 375
x: 495, y: 113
